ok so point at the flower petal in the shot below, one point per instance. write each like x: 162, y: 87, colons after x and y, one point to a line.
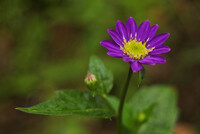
x: 152, y: 32
x: 159, y: 59
x: 160, y: 50
x: 116, y: 37
x: 121, y: 29
x: 127, y: 59
x: 158, y: 40
x: 153, y: 59
x: 147, y: 60
x: 110, y: 45
x: 143, y: 30
x: 131, y: 27
x: 135, y: 66
x: 115, y: 53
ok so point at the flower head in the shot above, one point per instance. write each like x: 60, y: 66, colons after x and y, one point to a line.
x: 137, y: 45
x: 91, y: 81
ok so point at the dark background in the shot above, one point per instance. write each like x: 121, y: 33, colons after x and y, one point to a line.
x: 45, y: 45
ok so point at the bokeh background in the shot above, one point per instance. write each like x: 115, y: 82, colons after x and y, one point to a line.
x: 45, y: 45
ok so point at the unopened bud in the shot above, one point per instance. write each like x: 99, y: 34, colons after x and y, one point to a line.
x: 141, y: 117
x: 91, y: 81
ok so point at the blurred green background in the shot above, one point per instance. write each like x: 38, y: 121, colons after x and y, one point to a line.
x: 45, y: 45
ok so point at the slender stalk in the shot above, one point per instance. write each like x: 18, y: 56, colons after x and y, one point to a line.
x: 122, y: 99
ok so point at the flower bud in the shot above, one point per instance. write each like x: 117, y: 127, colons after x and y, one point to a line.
x: 141, y: 117
x: 91, y: 81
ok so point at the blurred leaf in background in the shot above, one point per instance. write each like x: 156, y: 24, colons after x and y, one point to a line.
x: 155, y: 110
x: 152, y: 110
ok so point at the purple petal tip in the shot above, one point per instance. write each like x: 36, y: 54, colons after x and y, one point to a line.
x: 167, y: 35
x: 147, y: 21
x: 130, y: 17
x: 108, y: 30
x: 156, y: 25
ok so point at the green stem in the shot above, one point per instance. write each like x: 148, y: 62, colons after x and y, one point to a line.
x: 122, y: 99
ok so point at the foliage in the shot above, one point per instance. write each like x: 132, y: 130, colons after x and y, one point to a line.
x: 152, y: 110
x: 69, y: 102
x: 104, y: 76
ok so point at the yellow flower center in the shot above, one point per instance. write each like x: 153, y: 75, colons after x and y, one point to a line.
x: 135, y: 50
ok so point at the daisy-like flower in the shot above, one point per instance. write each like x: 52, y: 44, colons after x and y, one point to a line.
x: 137, y: 45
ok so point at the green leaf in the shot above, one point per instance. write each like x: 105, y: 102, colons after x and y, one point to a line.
x: 113, y: 102
x: 154, y: 110
x: 72, y: 102
x: 104, y: 76
x: 141, y: 75
x: 127, y: 110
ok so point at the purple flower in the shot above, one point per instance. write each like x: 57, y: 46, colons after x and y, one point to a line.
x: 137, y: 45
